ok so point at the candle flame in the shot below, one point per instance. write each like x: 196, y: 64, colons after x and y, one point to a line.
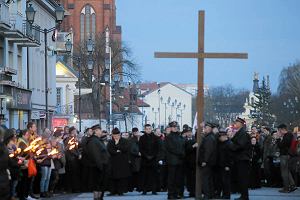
x: 53, y: 152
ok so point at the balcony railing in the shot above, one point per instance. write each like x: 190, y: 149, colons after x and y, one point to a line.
x: 64, y: 110
x: 4, y: 13
x: 16, y: 21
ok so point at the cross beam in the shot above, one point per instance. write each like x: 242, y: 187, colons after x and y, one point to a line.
x: 200, y: 56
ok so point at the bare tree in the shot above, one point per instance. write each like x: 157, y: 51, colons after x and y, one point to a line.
x: 122, y: 66
x: 286, y: 104
x: 224, y: 103
x: 289, y: 80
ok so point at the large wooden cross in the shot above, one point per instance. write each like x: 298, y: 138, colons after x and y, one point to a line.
x: 200, y: 55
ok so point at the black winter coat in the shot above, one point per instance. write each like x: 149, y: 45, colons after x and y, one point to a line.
x: 208, y: 150
x: 134, y: 156
x: 240, y: 145
x: 95, y: 153
x: 46, y: 161
x: 284, y: 144
x: 4, y: 182
x: 225, y: 155
x: 256, y: 156
x: 119, y: 158
x: 149, y: 148
x: 175, y: 148
x: 190, y: 153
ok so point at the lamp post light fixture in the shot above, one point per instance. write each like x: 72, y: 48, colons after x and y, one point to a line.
x: 155, y: 113
x: 59, y: 16
x: 166, y: 103
x: 108, y: 65
x: 30, y: 14
x: 159, y: 101
x: 90, y: 49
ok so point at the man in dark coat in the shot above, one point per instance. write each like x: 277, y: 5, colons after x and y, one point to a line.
x: 175, y: 150
x: 224, y: 163
x: 240, y: 145
x: 267, y: 154
x: 207, y: 156
x: 72, y: 161
x: 149, y: 148
x: 190, y: 160
x: 284, y: 142
x: 118, y: 148
x: 135, y: 160
x: 4, y: 180
x: 97, y: 158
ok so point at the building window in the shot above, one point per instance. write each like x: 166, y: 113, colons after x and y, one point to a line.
x: 82, y: 27
x: 58, y: 96
x: 93, y: 26
x: 87, y: 23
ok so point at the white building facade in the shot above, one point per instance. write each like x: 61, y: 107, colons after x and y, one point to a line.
x: 167, y: 103
x: 66, y: 79
x: 22, y: 82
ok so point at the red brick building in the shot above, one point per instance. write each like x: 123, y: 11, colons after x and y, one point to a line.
x: 87, y: 18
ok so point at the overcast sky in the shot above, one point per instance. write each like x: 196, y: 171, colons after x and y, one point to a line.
x: 269, y: 30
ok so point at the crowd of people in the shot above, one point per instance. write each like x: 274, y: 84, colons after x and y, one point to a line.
x: 148, y: 161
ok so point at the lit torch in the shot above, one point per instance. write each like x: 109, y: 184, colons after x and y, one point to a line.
x: 72, y: 143
x: 15, y: 153
x: 53, y: 152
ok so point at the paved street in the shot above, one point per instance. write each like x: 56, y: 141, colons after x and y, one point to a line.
x: 261, y: 194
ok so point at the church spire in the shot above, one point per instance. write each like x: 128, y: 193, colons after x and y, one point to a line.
x: 255, y: 82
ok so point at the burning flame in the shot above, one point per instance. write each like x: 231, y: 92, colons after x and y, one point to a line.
x: 33, y: 146
x: 17, y: 151
x: 72, y: 143
x: 53, y: 152
x: 38, y: 152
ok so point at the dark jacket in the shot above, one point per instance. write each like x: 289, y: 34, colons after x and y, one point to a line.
x: 190, y: 153
x: 162, y: 151
x: 119, y: 158
x: 240, y: 145
x: 208, y: 150
x: 72, y: 154
x: 46, y: 160
x: 149, y: 148
x: 284, y: 144
x: 134, y: 156
x: 268, y: 147
x: 4, y: 182
x: 255, y: 158
x: 14, y: 167
x: 175, y: 148
x: 225, y: 156
x: 95, y: 152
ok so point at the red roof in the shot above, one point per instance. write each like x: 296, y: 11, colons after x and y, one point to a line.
x: 147, y: 88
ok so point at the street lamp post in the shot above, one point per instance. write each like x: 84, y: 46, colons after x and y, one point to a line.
x: 108, y: 60
x: 90, y: 48
x: 158, y: 92
x: 59, y: 15
x: 181, y: 113
x: 155, y: 113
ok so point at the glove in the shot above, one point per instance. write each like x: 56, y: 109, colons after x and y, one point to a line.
x: 160, y: 162
x: 227, y: 168
x: 195, y: 145
x: 203, y: 164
